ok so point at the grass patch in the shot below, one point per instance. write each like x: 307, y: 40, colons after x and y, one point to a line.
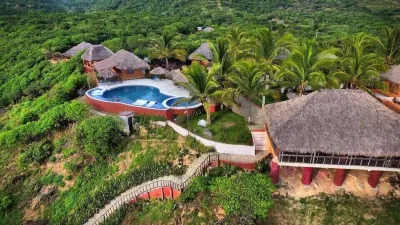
x: 227, y: 127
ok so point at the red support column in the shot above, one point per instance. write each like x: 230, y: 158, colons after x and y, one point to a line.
x: 307, y: 175
x: 340, y: 174
x: 373, y: 179
x: 274, y: 174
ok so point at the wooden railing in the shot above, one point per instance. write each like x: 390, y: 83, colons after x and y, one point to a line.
x: 124, y: 199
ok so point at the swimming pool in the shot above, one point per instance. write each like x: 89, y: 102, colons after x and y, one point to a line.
x: 140, y: 96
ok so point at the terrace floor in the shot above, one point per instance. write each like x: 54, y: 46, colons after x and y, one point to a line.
x: 164, y: 85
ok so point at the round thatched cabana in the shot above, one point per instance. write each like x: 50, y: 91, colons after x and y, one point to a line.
x: 159, y: 71
x: 76, y: 49
x: 96, y: 53
x: 393, y: 78
x: 176, y: 76
x: 204, y: 50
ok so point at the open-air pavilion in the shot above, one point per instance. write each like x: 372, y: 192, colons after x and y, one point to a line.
x: 333, y: 129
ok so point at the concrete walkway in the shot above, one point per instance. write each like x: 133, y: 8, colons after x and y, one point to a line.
x: 131, y: 193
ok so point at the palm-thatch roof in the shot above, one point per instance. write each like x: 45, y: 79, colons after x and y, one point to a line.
x: 97, y: 53
x: 159, y: 71
x: 107, y: 73
x: 203, y: 50
x: 176, y: 76
x: 122, y: 60
x: 393, y: 75
x: 344, y: 122
x: 76, y: 49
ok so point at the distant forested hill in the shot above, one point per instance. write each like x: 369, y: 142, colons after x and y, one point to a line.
x: 383, y: 7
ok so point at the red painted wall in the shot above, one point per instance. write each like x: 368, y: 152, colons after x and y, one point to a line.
x: 117, y: 107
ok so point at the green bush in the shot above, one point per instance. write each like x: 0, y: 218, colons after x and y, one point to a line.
x: 244, y: 197
x: 5, y: 202
x: 38, y: 152
x: 198, y: 184
x: 76, y: 111
x: 100, y: 136
x: 52, y: 178
x: 68, y: 152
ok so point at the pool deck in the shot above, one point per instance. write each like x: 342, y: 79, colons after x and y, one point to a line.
x: 166, y: 86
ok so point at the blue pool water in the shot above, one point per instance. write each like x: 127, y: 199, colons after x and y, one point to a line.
x: 130, y: 94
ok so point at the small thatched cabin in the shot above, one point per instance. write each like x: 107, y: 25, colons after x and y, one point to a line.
x: 338, y: 129
x: 176, y: 76
x: 76, y: 49
x: 93, y: 54
x: 204, y: 50
x: 125, y: 64
x: 392, y: 77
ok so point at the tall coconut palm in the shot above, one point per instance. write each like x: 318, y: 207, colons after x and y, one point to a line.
x: 204, y: 88
x: 249, y: 80
x: 223, y: 60
x: 166, y: 46
x: 266, y: 48
x: 360, y: 65
x: 304, y: 68
x: 392, y: 47
x: 238, y: 43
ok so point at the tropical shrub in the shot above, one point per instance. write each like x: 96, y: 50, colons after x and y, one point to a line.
x: 5, y: 202
x: 37, y: 152
x: 244, y: 197
x: 100, y: 136
x: 52, y: 178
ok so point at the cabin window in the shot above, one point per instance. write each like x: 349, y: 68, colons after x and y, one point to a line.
x: 130, y: 71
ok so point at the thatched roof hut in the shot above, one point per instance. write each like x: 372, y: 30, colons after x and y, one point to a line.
x: 342, y: 122
x: 97, y: 53
x: 122, y: 60
x: 203, y: 50
x: 76, y: 49
x: 176, y: 76
x: 159, y: 71
x: 393, y: 75
x: 107, y: 73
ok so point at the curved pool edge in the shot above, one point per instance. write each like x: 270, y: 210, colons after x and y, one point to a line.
x: 118, y: 107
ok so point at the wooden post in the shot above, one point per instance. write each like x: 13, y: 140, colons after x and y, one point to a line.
x: 340, y: 175
x: 373, y: 179
x: 274, y: 174
x: 307, y: 175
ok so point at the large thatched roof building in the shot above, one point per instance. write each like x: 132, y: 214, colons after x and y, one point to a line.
x: 125, y: 63
x: 341, y: 122
x: 340, y: 129
x: 76, y: 49
x: 203, y: 50
x: 393, y: 78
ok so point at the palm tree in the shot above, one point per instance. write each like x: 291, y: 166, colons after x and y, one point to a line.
x: 249, y: 80
x: 266, y: 48
x: 238, y: 43
x: 360, y: 66
x: 223, y: 60
x: 304, y: 68
x: 392, y: 48
x: 166, y: 46
x: 203, y: 87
